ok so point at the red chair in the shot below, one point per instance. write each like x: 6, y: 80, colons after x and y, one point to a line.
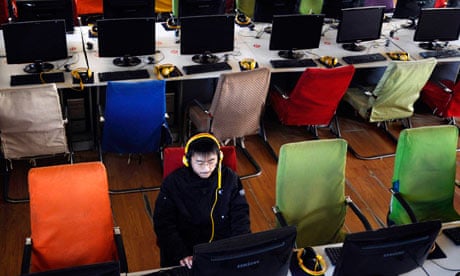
x: 443, y: 97
x: 3, y: 11
x: 89, y: 6
x: 315, y: 98
x: 172, y: 158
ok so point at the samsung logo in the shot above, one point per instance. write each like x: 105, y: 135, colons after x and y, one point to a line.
x: 397, y: 253
x: 248, y: 264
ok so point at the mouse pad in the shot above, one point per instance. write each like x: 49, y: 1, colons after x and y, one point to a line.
x: 436, y: 254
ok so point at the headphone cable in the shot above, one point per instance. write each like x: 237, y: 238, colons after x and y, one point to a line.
x: 219, y: 185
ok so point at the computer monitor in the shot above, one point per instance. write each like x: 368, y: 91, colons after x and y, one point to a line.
x: 256, y: 254
x: 435, y: 25
x: 333, y: 8
x: 292, y: 32
x: 360, y: 24
x: 387, y: 251
x: 201, y: 7
x: 128, y: 8
x: 410, y: 9
x: 35, y: 10
x: 264, y: 10
x: 202, y: 36
x: 126, y: 38
x: 35, y: 41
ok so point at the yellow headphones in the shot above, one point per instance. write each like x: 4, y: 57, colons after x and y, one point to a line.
x: 76, y: 75
x: 320, y: 263
x: 164, y: 70
x: 329, y: 61
x: 186, y: 161
x: 248, y: 64
x: 403, y: 56
x: 241, y: 19
x: 171, y: 23
x: 93, y: 31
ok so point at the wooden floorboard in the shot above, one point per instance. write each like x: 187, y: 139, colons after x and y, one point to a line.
x: 367, y: 184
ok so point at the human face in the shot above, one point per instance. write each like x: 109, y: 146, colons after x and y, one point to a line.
x: 203, y: 164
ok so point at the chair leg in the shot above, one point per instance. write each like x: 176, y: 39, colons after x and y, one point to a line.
x: 258, y: 170
x: 6, y: 179
x: 264, y: 138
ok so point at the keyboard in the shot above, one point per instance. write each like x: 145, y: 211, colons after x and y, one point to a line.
x: 291, y: 63
x: 334, y: 254
x: 453, y: 234
x: 36, y: 78
x: 176, y: 271
x: 364, y: 58
x: 441, y: 53
x: 124, y: 75
x: 205, y: 68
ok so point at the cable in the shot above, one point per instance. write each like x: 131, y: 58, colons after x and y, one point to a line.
x: 219, y: 185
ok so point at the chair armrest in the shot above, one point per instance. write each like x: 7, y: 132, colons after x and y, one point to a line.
x: 120, y: 250
x: 358, y: 213
x: 100, y: 114
x: 280, y: 91
x: 26, y: 256
x: 366, y: 91
x: 279, y: 216
x: 202, y: 107
x: 404, y: 204
x: 444, y: 87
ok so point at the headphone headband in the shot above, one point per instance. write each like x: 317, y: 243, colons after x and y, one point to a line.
x: 197, y: 137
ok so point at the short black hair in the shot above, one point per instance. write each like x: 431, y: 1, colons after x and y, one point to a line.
x: 202, y: 145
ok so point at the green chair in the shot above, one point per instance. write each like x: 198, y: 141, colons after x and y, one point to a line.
x: 310, y: 6
x: 393, y: 97
x: 246, y: 6
x: 424, y: 175
x: 310, y: 191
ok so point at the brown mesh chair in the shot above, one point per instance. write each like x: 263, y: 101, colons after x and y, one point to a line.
x: 31, y: 127
x: 236, y: 110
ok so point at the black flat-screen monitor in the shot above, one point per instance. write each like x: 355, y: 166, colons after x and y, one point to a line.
x: 387, y: 251
x: 35, y: 41
x: 333, y: 8
x: 201, y: 7
x: 126, y: 38
x: 256, y: 254
x: 264, y: 10
x: 128, y: 8
x: 435, y: 25
x: 287, y: 37
x: 202, y: 36
x: 360, y: 24
x: 35, y: 10
x: 410, y: 9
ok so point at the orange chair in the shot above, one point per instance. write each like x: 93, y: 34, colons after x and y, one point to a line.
x: 71, y: 219
x: 172, y: 158
x: 89, y: 7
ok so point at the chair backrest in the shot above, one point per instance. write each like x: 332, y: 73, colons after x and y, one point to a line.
x: 31, y: 122
x: 238, y: 103
x: 389, y: 4
x: 310, y: 189
x: 71, y: 217
x: 163, y: 6
x: 134, y: 116
x: 246, y: 6
x: 310, y: 6
x: 399, y: 88
x: 89, y: 7
x: 172, y: 158
x: 316, y: 96
x: 4, y: 11
x: 424, y: 173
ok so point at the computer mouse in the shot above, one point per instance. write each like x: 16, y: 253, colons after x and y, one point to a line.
x: 89, y: 45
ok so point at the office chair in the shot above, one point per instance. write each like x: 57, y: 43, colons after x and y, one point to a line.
x: 389, y: 4
x: 4, y: 14
x: 443, y: 98
x: 423, y: 183
x: 314, y: 100
x: 71, y: 219
x: 32, y: 128
x: 246, y: 7
x: 310, y: 191
x: 310, y: 6
x: 86, y: 7
x: 134, y: 121
x: 392, y: 98
x: 236, y: 111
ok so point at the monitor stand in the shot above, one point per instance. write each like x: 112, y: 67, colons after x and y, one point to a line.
x: 205, y: 58
x: 353, y: 47
x: 127, y: 61
x: 432, y: 45
x: 410, y: 25
x: 38, y: 67
x: 290, y: 54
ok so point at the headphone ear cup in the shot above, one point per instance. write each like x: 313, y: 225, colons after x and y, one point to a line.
x: 185, y: 160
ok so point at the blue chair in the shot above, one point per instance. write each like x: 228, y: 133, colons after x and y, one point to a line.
x: 134, y: 120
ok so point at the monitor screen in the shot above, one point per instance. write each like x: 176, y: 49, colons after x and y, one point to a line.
x: 410, y: 8
x: 360, y: 24
x: 291, y: 32
x: 387, y: 251
x: 256, y: 254
x: 36, y: 42
x: 203, y: 35
x: 437, y: 25
x: 265, y: 9
x: 35, y: 10
x: 201, y: 7
x: 126, y: 38
x: 333, y: 8
x: 128, y: 8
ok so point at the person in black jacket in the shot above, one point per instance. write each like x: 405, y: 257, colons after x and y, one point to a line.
x: 201, y: 202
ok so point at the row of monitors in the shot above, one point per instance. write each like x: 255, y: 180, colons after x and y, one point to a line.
x: 31, y: 10
x: 46, y: 40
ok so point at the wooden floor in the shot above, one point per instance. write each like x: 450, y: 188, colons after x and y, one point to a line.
x: 367, y: 183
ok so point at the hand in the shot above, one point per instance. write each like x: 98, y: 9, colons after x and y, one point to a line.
x: 187, y: 261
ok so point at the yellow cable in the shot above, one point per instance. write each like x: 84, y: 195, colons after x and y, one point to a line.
x: 219, y: 185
